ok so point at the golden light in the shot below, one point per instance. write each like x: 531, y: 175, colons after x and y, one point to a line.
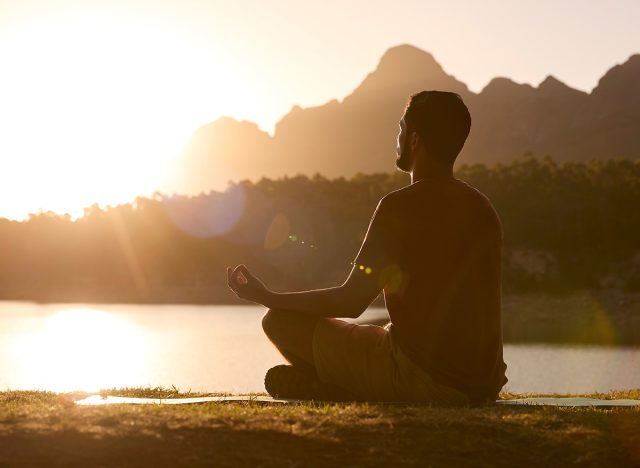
x: 95, y: 107
x: 81, y: 349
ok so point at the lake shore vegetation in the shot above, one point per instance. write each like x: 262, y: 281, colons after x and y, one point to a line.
x: 571, y: 258
x: 567, y: 227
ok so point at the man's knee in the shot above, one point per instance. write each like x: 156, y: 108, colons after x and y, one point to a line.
x: 273, y: 321
x: 292, y: 333
x: 285, y: 326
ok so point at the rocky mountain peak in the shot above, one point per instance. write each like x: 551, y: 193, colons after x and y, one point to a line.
x: 621, y: 79
x: 407, y: 57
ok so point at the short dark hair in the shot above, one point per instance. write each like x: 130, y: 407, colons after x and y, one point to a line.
x: 442, y: 120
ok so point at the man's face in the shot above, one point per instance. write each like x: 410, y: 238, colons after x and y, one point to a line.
x: 403, y: 152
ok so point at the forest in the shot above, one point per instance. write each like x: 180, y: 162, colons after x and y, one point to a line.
x: 567, y: 227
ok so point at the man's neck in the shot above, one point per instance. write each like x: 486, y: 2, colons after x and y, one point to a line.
x: 429, y: 169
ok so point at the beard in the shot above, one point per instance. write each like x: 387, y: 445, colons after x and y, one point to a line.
x: 403, y: 160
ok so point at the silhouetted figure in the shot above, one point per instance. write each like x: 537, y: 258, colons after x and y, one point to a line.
x: 434, y: 247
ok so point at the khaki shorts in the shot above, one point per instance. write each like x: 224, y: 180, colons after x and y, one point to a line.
x: 367, y: 361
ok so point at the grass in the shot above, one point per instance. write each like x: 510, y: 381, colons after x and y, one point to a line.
x: 43, y: 428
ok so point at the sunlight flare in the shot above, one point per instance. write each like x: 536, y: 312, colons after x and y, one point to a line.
x: 82, y: 349
x: 96, y: 107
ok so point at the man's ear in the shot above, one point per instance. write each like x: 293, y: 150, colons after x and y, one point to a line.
x: 415, y: 138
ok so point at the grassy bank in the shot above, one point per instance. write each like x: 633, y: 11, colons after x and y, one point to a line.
x: 39, y: 428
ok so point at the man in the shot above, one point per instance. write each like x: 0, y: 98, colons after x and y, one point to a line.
x: 434, y: 247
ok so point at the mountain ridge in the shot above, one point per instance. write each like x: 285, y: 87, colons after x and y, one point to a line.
x: 358, y: 133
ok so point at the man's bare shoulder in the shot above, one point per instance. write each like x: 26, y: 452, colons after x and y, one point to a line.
x: 423, y: 188
x: 395, y: 195
x: 458, y: 193
x: 476, y: 194
x: 474, y: 191
x: 396, y: 201
x: 483, y: 207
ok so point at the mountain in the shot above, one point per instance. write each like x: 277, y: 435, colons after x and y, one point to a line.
x: 509, y: 119
x: 358, y: 134
x: 610, y: 120
x: 221, y: 151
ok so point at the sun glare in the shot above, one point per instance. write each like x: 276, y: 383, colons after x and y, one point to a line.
x: 82, y: 349
x: 94, y: 109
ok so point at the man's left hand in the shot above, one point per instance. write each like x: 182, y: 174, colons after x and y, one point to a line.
x: 245, y: 285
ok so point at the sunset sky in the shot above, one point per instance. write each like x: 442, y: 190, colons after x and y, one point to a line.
x: 97, y: 96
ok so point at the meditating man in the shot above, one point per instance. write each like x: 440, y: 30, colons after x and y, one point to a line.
x: 434, y: 248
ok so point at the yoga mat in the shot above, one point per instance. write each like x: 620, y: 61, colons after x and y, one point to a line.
x: 568, y: 401
x: 98, y: 400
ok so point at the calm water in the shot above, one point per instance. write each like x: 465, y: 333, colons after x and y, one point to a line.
x: 221, y: 348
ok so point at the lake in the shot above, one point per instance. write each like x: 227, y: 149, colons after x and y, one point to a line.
x: 66, y: 347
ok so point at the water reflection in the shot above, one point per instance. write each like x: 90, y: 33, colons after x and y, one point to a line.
x: 222, y: 348
x: 83, y: 349
x: 571, y: 369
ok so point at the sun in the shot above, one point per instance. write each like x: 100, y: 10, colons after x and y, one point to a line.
x: 95, y: 108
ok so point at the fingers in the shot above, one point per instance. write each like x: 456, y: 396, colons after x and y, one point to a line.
x: 238, y: 277
x: 247, y: 273
x: 244, y: 284
x: 234, y: 273
x: 241, y: 274
x: 244, y: 274
x: 230, y: 282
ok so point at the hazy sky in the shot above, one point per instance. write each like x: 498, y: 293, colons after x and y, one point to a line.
x: 96, y: 96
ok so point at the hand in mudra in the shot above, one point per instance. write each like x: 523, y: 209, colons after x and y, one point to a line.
x: 245, y: 285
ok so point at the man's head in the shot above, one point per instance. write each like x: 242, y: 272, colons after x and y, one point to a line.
x: 435, y: 125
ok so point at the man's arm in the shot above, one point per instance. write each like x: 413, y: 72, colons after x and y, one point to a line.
x: 351, y: 299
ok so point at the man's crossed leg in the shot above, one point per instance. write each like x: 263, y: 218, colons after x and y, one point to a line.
x: 335, y: 360
x: 293, y: 335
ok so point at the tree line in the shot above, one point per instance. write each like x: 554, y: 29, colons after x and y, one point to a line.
x: 566, y: 226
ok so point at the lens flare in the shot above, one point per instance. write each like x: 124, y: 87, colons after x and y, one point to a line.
x: 278, y: 232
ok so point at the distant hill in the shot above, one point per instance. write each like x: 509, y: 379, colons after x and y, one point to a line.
x: 359, y: 133
x: 224, y: 150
